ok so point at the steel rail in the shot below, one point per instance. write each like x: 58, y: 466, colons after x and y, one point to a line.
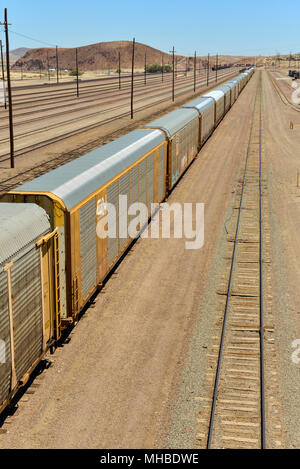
x: 261, y: 304
x: 221, y: 348
x: 37, y: 101
x: 72, y: 133
x: 96, y: 102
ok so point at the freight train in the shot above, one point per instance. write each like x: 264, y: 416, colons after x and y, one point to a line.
x: 51, y: 259
x: 221, y: 67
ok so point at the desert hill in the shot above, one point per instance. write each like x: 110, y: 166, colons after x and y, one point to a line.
x: 104, y: 56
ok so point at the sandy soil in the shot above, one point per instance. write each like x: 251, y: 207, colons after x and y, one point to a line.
x: 114, y: 384
x: 282, y: 151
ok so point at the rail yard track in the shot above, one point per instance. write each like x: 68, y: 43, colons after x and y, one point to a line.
x: 52, y: 163
x: 62, y: 122
x: 241, y: 409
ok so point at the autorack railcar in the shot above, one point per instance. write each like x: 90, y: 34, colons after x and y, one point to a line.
x: 206, y: 109
x: 75, y: 196
x: 181, y: 130
x: 226, y: 89
x: 51, y: 259
x: 27, y: 302
x: 219, y: 98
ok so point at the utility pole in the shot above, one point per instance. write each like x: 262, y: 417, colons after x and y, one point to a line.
x: 11, y: 127
x: 3, y: 76
x: 57, y: 77
x: 145, y: 73
x: 217, y: 64
x: 132, y: 74
x: 162, y: 68
x: 119, y: 70
x: 208, y: 70
x: 195, y: 63
x: 77, y: 72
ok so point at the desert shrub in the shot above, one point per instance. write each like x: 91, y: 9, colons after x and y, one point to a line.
x: 73, y: 73
x: 158, y: 68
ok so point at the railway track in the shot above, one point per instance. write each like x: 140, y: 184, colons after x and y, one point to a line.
x: 93, y: 89
x: 5, y: 156
x: 44, y: 167
x: 235, y: 413
x: 71, y: 98
x: 96, y: 101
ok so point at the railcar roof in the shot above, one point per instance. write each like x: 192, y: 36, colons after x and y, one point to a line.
x: 226, y: 87
x: 174, y: 121
x: 235, y: 80
x: 20, y: 225
x: 216, y: 94
x: 201, y: 104
x: 76, y: 180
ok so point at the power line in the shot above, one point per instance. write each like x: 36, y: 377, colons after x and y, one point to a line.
x: 31, y: 38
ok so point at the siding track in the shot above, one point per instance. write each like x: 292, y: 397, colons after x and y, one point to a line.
x: 234, y: 416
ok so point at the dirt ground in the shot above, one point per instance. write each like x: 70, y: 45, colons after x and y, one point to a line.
x: 130, y: 346
x: 282, y: 151
x: 133, y: 370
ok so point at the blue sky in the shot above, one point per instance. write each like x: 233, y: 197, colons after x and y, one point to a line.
x: 228, y: 27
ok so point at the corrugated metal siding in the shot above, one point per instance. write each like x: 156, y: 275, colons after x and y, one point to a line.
x: 150, y: 182
x: 77, y: 180
x: 161, y: 173
x: 184, y: 148
x: 207, y: 122
x: 175, y: 157
x: 27, y: 310
x: 205, y: 107
x: 226, y: 90
x: 143, y: 185
x: 20, y: 225
x: 175, y: 121
x: 220, y: 110
x: 88, y: 247
x: 124, y: 190
x: 228, y: 100
x: 5, y: 355
x: 134, y: 185
x: 113, y: 243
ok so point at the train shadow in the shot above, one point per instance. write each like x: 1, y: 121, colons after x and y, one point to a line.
x: 12, y: 408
